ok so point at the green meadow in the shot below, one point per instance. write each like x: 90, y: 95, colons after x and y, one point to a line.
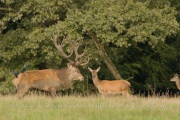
x: 89, y: 108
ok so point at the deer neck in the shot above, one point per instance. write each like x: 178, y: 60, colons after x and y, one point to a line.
x: 178, y: 83
x: 96, y: 80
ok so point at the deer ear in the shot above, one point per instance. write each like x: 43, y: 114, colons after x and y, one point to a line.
x: 89, y: 69
x: 176, y: 75
x: 98, y: 69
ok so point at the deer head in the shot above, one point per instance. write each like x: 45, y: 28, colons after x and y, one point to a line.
x: 176, y: 79
x: 94, y: 72
x: 74, y: 46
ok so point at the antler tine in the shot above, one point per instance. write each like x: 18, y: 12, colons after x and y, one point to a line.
x: 60, y: 49
x: 85, y: 62
x: 82, y: 61
x: 83, y: 51
x: 81, y: 55
x: 75, y: 46
x: 78, y: 56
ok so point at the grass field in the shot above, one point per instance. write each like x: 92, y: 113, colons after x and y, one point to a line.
x: 89, y: 108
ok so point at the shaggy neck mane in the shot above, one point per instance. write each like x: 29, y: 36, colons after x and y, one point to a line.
x: 63, y: 74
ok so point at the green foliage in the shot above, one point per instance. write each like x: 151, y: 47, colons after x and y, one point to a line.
x: 125, y: 22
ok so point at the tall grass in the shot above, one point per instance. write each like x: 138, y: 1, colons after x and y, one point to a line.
x: 89, y: 108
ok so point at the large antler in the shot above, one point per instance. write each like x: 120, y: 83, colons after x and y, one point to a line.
x: 79, y: 57
x: 60, y: 49
x: 75, y: 46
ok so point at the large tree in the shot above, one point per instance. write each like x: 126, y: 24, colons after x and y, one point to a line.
x: 121, y: 23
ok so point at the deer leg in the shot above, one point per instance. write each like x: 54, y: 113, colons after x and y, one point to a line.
x: 125, y: 94
x: 102, y: 96
x: 52, y: 92
x: 21, y: 90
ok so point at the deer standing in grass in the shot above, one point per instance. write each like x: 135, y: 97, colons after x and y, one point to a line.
x: 176, y: 79
x: 52, y: 79
x: 110, y: 87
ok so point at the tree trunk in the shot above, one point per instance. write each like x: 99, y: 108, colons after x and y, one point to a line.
x: 104, y: 55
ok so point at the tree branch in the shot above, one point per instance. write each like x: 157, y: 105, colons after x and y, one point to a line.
x: 6, y: 9
x: 104, y: 55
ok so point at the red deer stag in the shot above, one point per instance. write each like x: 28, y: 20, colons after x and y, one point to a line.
x: 110, y: 87
x: 176, y: 79
x: 52, y: 79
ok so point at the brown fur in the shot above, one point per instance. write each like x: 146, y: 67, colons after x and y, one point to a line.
x: 49, y: 80
x: 177, y: 80
x: 15, y: 82
x: 110, y: 87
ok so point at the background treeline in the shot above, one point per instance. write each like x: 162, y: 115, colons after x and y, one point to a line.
x: 140, y: 37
